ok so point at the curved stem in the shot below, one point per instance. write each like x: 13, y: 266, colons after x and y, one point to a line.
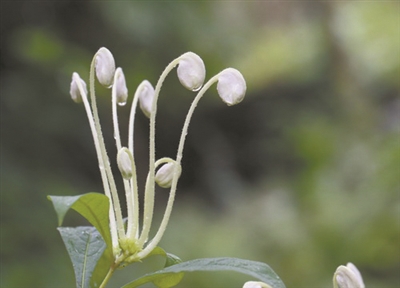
x: 106, y: 162
x: 150, y: 201
x: 133, y: 223
x: 171, y: 198
x: 127, y: 186
x: 150, y: 185
x: 113, y: 227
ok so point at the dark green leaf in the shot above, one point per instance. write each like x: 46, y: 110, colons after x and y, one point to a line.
x: 62, y: 204
x: 102, y: 267
x: 257, y: 270
x: 85, y: 247
x: 93, y: 206
x: 170, y: 259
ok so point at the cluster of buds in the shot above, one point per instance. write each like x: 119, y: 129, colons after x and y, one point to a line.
x: 130, y: 243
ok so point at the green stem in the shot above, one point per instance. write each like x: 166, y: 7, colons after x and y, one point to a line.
x: 108, y: 276
x: 133, y: 223
x: 106, y: 186
x: 106, y: 162
x: 127, y: 186
x: 172, y: 193
x: 150, y: 185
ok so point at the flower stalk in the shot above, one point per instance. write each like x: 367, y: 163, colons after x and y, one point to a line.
x: 131, y: 244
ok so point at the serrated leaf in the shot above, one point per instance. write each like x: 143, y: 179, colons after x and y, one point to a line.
x: 257, y: 270
x: 85, y: 247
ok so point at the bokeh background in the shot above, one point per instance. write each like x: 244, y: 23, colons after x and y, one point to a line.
x: 303, y: 174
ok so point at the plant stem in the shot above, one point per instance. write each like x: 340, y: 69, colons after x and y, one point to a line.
x: 153, y: 243
x: 106, y: 162
x: 106, y: 186
x: 133, y: 223
x: 108, y: 276
x: 150, y: 186
x: 127, y: 186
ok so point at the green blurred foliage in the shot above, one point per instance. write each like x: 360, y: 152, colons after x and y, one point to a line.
x: 303, y: 175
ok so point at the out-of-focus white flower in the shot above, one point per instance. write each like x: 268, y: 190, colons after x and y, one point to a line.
x: 256, y: 284
x: 124, y: 161
x: 165, y: 174
x: 348, y: 277
x: 74, y: 89
x: 120, y: 87
x: 105, y: 67
x: 146, y: 97
x: 231, y: 86
x: 191, y: 71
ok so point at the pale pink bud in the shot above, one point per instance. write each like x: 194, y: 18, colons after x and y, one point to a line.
x: 231, y: 86
x: 105, y: 67
x: 146, y: 97
x: 74, y: 90
x: 191, y: 71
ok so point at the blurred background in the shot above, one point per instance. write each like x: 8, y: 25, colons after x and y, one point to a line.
x: 302, y: 175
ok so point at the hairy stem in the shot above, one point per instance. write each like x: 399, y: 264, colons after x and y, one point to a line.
x: 172, y: 193
x: 150, y: 185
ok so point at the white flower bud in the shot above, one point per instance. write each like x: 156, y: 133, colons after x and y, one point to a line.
x: 146, y: 97
x: 191, y: 71
x: 120, y: 87
x: 165, y: 174
x: 105, y: 67
x: 231, y: 86
x: 348, y: 277
x: 124, y: 161
x: 255, y: 284
x: 74, y: 90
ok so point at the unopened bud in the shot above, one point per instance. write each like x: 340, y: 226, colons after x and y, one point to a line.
x: 74, y: 90
x: 146, y: 97
x: 231, y: 86
x: 191, y: 71
x: 256, y: 284
x: 348, y: 277
x: 165, y: 174
x: 124, y: 161
x: 120, y: 87
x: 105, y: 67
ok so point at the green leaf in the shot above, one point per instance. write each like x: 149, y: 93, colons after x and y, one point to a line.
x: 85, y: 247
x: 102, y: 268
x: 93, y: 206
x: 169, y: 280
x: 256, y: 270
x: 170, y: 259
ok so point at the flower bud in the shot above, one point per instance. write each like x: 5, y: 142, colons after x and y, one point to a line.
x: 191, y: 71
x: 255, y: 284
x: 74, y: 90
x: 146, y: 97
x: 120, y: 87
x: 165, y: 174
x: 348, y: 277
x: 231, y: 86
x: 105, y: 67
x: 124, y: 161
